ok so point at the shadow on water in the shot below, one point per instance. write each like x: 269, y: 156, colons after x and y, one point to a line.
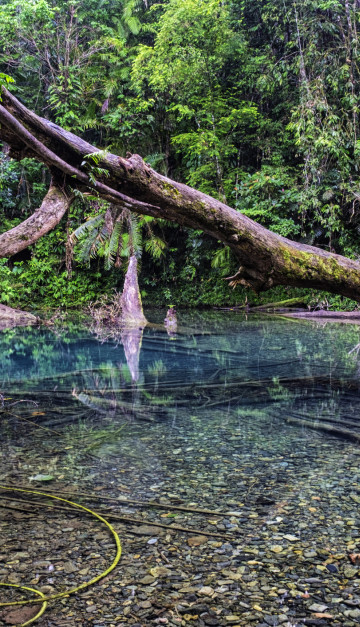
x: 220, y: 417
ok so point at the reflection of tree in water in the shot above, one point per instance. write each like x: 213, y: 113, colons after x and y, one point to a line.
x: 299, y: 371
x: 131, y: 341
x: 109, y: 390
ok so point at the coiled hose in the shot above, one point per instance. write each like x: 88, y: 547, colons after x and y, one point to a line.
x: 42, y: 598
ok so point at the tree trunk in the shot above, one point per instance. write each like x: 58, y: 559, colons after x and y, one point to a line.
x: 131, y: 340
x: 132, y: 314
x: 265, y: 259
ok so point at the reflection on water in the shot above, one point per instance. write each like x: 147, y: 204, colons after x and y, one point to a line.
x: 249, y: 384
x: 286, y: 369
x: 216, y: 416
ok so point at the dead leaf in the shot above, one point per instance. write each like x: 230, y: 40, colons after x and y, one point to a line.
x: 197, y: 540
x: 354, y: 558
x: 19, y: 616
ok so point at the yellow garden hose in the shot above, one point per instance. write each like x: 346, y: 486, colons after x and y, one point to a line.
x: 44, y: 603
x: 44, y: 599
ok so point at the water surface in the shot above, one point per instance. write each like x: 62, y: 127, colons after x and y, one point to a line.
x: 218, y: 416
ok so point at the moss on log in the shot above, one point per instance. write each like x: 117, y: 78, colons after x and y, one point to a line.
x: 265, y: 258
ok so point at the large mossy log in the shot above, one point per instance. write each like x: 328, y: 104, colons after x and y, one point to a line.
x: 265, y: 258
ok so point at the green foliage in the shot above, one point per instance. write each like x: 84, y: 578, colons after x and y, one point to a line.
x: 65, y: 97
x: 39, y: 283
x: 68, y: 56
x: 91, y: 235
x: 195, y: 39
x: 7, y: 285
x: 255, y: 102
x: 271, y: 197
x: 22, y: 187
x: 115, y: 234
x: 5, y: 81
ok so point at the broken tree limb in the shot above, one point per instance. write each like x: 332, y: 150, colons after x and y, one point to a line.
x: 127, y: 501
x: 51, y: 159
x: 321, y: 314
x: 325, y: 426
x: 43, y: 220
x: 265, y: 258
x: 281, y: 304
x: 125, y: 519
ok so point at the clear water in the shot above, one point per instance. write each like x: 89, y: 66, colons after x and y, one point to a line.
x: 218, y: 415
x: 226, y: 382
x: 227, y: 362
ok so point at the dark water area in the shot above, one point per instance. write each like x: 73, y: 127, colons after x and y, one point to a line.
x: 254, y: 418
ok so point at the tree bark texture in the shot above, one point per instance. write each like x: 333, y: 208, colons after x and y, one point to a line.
x: 43, y: 220
x: 265, y: 258
x: 15, y: 317
x: 131, y: 306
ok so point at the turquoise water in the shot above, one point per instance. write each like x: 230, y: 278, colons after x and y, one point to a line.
x: 219, y: 415
x: 307, y: 369
x: 243, y: 375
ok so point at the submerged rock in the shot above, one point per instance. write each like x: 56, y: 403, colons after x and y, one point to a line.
x: 171, y: 321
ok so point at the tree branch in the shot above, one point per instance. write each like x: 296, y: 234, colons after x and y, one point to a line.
x: 53, y: 207
x: 265, y: 258
x: 51, y: 159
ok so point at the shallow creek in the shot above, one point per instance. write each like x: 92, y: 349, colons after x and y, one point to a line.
x: 255, y: 419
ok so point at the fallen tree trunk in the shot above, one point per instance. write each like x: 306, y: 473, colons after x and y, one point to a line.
x: 323, y: 314
x: 265, y: 259
x: 15, y: 317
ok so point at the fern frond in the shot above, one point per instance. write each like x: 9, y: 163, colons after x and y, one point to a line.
x: 111, y: 248
x: 89, y: 237
x: 222, y: 258
x: 88, y: 247
x: 96, y: 156
x: 155, y: 160
x: 155, y: 246
x: 145, y: 220
x: 89, y: 225
x: 135, y: 237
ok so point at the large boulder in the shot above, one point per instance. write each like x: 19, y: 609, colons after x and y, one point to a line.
x: 15, y: 317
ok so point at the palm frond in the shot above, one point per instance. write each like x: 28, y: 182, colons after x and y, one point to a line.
x: 89, y: 237
x: 88, y: 247
x: 222, y: 259
x: 135, y: 237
